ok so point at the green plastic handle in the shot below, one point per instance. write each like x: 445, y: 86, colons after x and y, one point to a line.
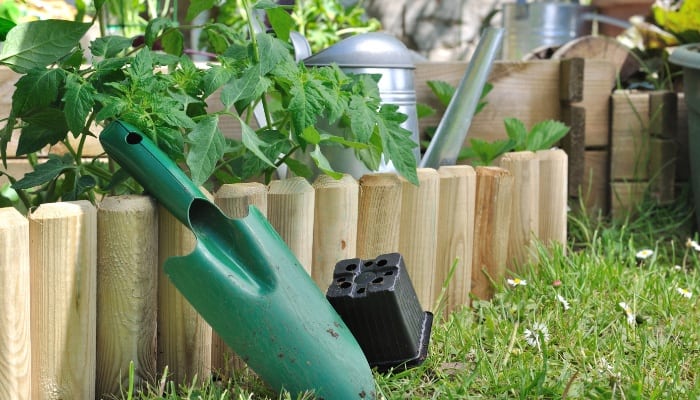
x: 247, y: 284
x: 146, y: 163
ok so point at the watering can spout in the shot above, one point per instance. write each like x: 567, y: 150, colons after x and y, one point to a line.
x: 452, y: 129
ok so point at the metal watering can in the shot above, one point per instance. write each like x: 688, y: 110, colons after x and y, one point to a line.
x: 246, y: 283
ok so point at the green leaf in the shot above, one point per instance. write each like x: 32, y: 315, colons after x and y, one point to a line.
x: 545, y: 134
x: 322, y: 163
x: 112, y: 106
x: 197, y: 7
x: 242, y: 91
x: 299, y: 168
x: 214, y: 78
x: 79, y: 100
x: 44, y: 128
x: 43, y: 173
x: 281, y: 22
x: 206, y: 147
x: 154, y: 27
x: 272, y: 52
x: 442, y: 90
x: 142, y: 64
x: 265, y: 4
x: 362, y: 118
x: 311, y: 135
x: 5, y: 26
x: 109, y: 46
x: 253, y: 143
x: 424, y: 110
x: 36, y: 89
x: 36, y: 44
x: 397, y: 143
x: 484, y: 153
x: 517, y: 132
x: 173, y: 41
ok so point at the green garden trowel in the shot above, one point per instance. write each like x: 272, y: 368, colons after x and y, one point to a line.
x: 246, y: 283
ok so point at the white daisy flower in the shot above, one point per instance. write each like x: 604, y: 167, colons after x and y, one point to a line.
x: 684, y: 292
x: 537, y: 335
x: 677, y: 267
x: 692, y: 244
x: 563, y: 302
x: 644, y: 254
x: 516, y: 282
x: 628, y: 312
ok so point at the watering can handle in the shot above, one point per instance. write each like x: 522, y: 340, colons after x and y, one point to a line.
x: 159, y: 175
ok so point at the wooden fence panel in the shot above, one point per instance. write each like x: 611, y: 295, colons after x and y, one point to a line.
x: 335, y: 225
x: 15, y: 344
x: 455, y: 237
x: 184, y: 337
x: 379, y: 215
x: 63, y: 258
x: 418, y: 234
x: 127, y: 292
x: 494, y: 189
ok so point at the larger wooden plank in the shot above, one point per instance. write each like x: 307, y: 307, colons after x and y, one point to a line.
x: 526, y: 90
x: 598, y: 83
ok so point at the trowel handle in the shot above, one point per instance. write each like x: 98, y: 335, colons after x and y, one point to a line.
x: 151, y: 167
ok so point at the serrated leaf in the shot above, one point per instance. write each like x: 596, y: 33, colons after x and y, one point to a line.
x: 424, y: 110
x: 516, y: 131
x: 242, y: 91
x: 37, y: 134
x: 197, y: 7
x: 177, y: 118
x: 36, y: 89
x: 214, y: 78
x: 79, y: 100
x: 253, y: 143
x: 545, y: 134
x: 42, y: 173
x: 36, y: 44
x: 486, y: 152
x: 265, y: 4
x: 322, y: 163
x: 442, y: 90
x: 142, y: 64
x: 206, y: 147
x: 272, y: 52
x: 397, y: 143
x: 306, y: 104
x: 281, y: 22
x: 112, y: 106
x: 109, y: 46
x: 362, y: 119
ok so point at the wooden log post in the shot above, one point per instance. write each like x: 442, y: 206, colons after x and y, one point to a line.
x: 184, y: 337
x: 455, y: 237
x: 234, y: 200
x: 494, y: 190
x: 335, y: 225
x: 524, y: 166
x: 418, y: 234
x: 290, y: 210
x: 15, y: 343
x: 127, y: 292
x: 553, y: 196
x: 379, y: 215
x: 63, y: 238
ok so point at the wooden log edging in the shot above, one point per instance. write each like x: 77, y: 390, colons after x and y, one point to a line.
x: 469, y: 210
x: 127, y: 292
x: 63, y: 244
x: 15, y: 342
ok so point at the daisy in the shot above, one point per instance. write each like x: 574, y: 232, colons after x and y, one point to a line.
x: 677, y: 267
x: 538, y: 334
x: 628, y: 312
x: 563, y: 302
x: 692, y: 243
x: 516, y: 282
x: 644, y: 254
x: 684, y: 292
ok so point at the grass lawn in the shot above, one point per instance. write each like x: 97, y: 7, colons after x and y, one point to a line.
x: 595, y: 320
